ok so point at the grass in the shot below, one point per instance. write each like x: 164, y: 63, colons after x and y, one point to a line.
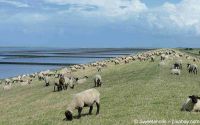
x: 138, y: 90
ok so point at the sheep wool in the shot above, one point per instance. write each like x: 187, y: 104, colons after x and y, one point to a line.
x: 83, y: 99
x: 176, y: 71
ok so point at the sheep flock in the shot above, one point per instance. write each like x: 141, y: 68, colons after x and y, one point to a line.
x: 61, y: 80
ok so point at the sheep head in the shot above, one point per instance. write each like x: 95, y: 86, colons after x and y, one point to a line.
x: 194, y: 98
x: 68, y: 115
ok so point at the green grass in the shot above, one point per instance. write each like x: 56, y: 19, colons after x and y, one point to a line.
x: 138, y: 90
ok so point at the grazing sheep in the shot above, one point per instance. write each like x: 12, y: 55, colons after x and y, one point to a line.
x: 83, y: 99
x: 61, y: 84
x: 99, y: 68
x: 191, y: 104
x: 176, y: 71
x: 97, y: 81
x: 82, y: 80
x: 178, y: 65
x: 192, y: 68
x: 46, y: 80
x: 152, y: 58
x: 162, y: 57
x: 7, y: 87
x: 26, y: 82
x: 72, y: 81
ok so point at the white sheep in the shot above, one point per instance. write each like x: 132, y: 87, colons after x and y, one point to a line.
x: 81, y: 80
x: 83, y: 99
x: 97, y: 80
x: 176, y: 71
x: 26, y: 82
x: 47, y: 81
x: 191, y: 104
x: 162, y: 63
x: 7, y: 87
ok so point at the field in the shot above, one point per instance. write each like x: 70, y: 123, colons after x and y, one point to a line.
x: 134, y: 91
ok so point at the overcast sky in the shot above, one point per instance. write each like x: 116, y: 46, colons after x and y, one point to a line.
x: 100, y: 23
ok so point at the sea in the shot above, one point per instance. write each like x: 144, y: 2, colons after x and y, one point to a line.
x: 16, y: 61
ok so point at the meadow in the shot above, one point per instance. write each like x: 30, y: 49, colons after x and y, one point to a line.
x: 134, y: 91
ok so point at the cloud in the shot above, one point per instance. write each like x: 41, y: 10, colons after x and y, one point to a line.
x: 15, y: 3
x: 180, y: 17
x: 109, y: 8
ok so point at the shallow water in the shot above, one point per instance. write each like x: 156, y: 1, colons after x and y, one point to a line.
x: 17, y: 61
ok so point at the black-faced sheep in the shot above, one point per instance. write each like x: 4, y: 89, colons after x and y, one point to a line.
x: 97, y: 81
x: 192, y: 68
x: 81, y: 80
x: 191, y: 104
x: 83, y: 99
x: 152, y: 58
x: 46, y: 80
x: 178, y: 65
x: 25, y: 82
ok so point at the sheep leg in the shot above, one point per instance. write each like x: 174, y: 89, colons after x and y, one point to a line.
x: 98, y: 107
x: 79, y: 111
x: 54, y: 88
x: 90, y: 111
x: 95, y: 84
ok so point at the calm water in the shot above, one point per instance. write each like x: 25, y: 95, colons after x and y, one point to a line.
x: 17, y: 61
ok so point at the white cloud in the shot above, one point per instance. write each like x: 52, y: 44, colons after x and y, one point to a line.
x: 110, y: 8
x: 15, y: 3
x: 184, y: 16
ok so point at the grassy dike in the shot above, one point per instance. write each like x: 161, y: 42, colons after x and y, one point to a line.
x: 138, y: 90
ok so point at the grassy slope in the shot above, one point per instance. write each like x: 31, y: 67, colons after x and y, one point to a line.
x: 139, y: 90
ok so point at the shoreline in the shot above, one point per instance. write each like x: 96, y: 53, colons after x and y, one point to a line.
x: 68, y: 65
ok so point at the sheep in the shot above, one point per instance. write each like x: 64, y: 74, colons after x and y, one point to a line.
x: 82, y: 80
x: 162, y: 57
x: 72, y: 81
x: 97, y: 81
x: 61, y: 84
x: 162, y: 63
x: 152, y: 58
x: 178, y: 64
x: 192, y: 68
x: 99, y: 68
x: 26, y: 82
x: 176, y: 71
x: 46, y: 80
x: 83, y: 99
x: 191, y: 104
x: 7, y: 86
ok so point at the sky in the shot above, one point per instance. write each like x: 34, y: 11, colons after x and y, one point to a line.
x: 100, y: 23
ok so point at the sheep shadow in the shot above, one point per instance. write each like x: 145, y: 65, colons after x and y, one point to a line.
x: 76, y: 117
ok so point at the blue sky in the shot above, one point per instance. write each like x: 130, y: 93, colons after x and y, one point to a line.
x: 100, y: 23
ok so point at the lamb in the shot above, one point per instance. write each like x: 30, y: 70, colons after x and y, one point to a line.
x: 191, y: 104
x: 82, y: 80
x: 97, y: 81
x: 176, y: 71
x: 83, y: 99
x: 192, y: 68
